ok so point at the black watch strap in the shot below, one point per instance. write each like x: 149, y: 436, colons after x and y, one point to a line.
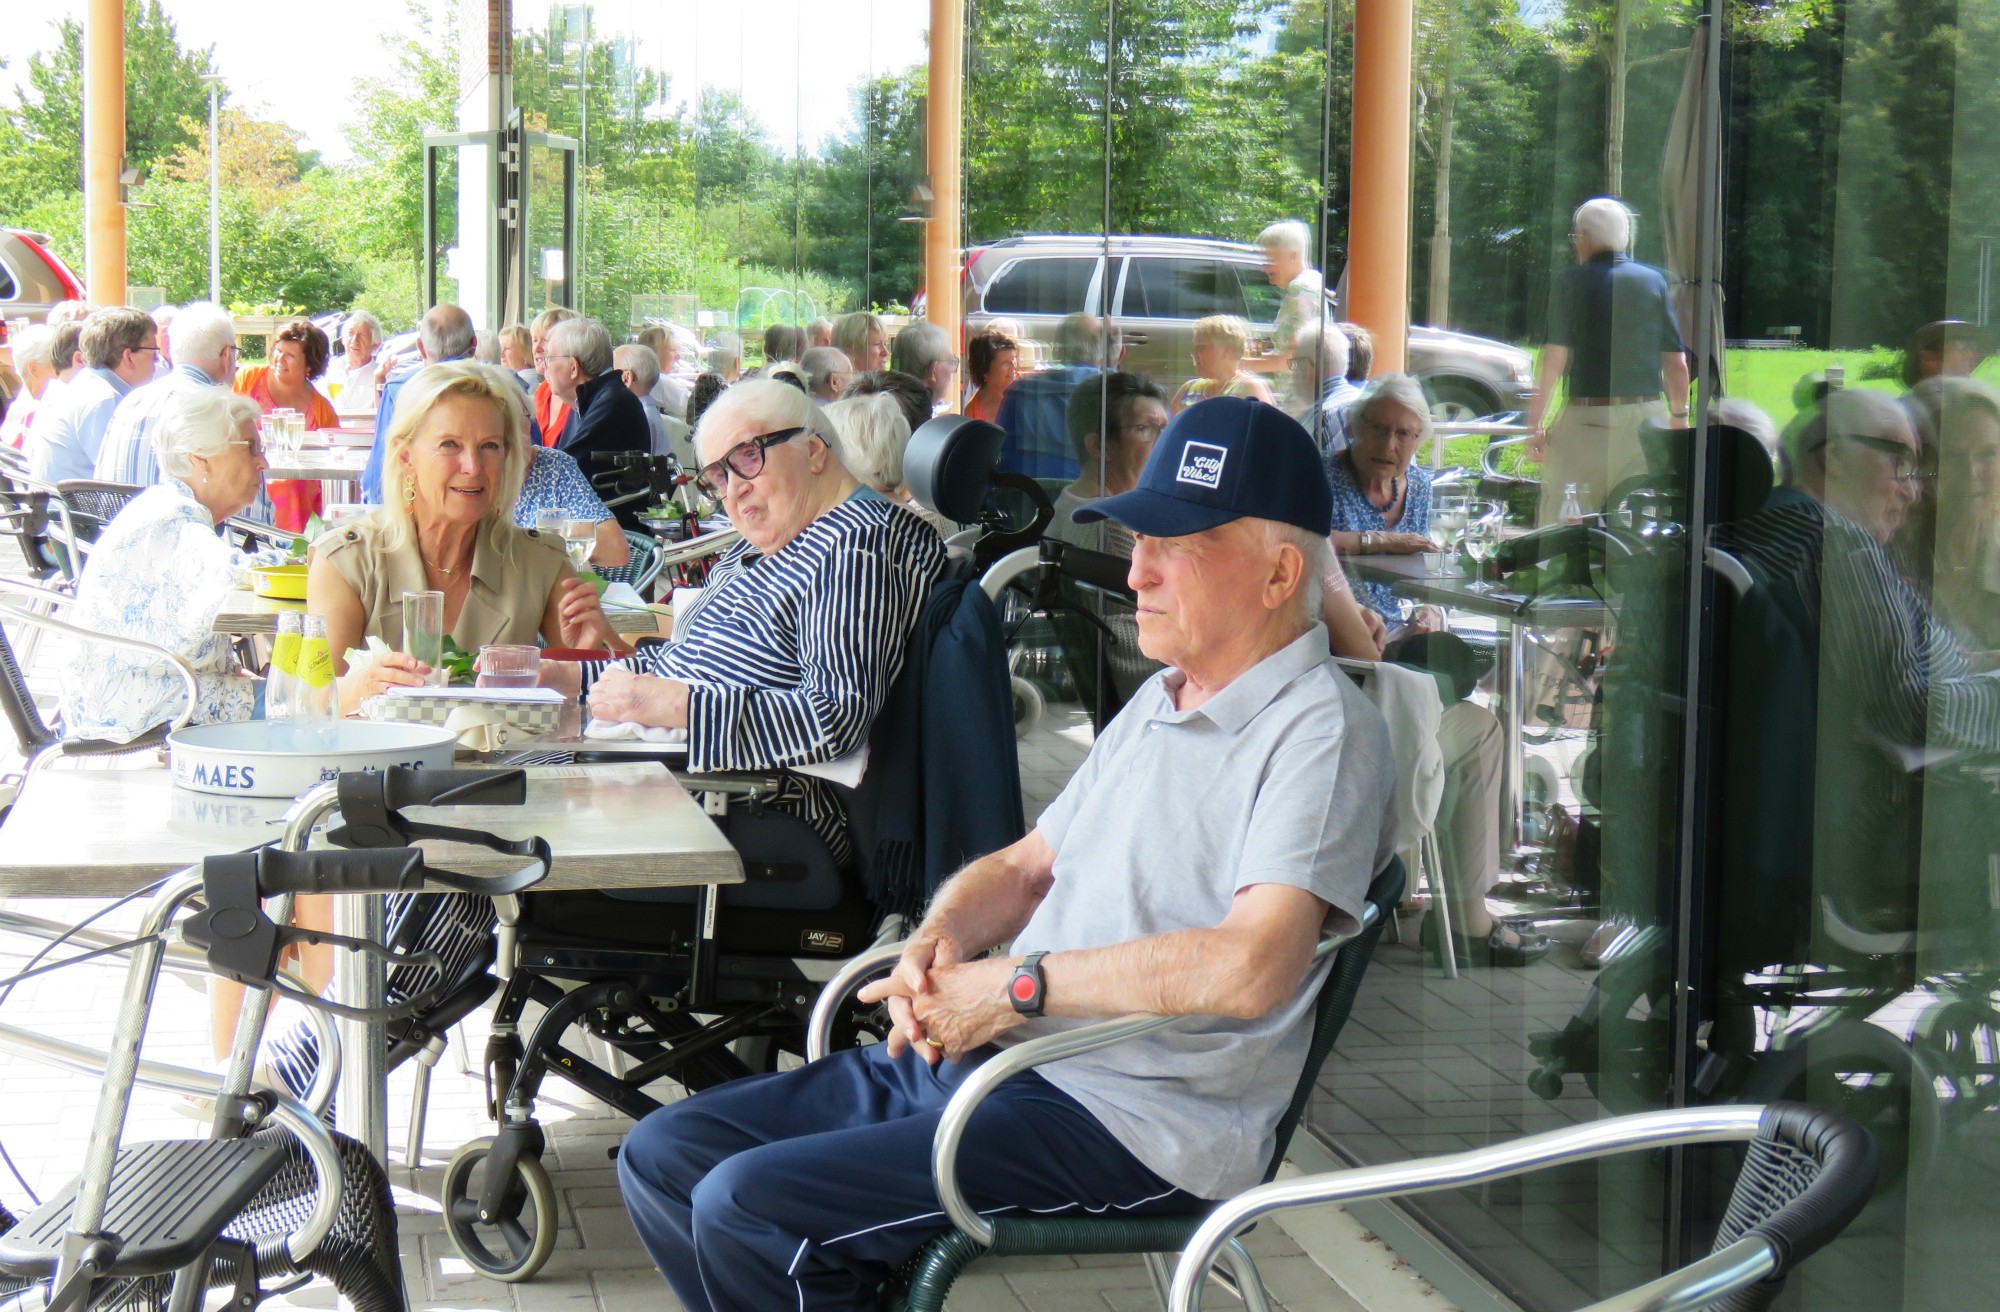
x: 1026, y: 989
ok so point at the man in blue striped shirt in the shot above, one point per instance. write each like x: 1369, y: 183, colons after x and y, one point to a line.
x: 204, y: 347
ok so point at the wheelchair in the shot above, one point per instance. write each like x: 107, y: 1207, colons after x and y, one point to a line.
x: 273, y: 1197
x: 700, y: 986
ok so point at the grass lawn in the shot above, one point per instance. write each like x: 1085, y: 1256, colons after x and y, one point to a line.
x: 1767, y: 379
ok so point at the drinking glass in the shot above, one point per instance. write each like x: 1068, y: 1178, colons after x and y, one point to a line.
x: 580, y: 536
x: 1447, y: 522
x: 1482, y: 539
x: 506, y: 666
x: 549, y: 522
x: 423, y: 632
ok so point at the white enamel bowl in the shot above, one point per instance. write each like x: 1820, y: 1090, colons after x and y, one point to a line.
x: 263, y: 758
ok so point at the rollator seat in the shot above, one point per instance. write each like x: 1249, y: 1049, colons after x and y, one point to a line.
x: 169, y: 1201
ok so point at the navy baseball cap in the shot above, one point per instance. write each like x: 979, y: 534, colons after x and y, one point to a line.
x: 1221, y: 459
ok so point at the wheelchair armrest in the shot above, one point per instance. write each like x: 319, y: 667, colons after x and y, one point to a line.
x: 1749, y: 1260
x: 1009, y: 1062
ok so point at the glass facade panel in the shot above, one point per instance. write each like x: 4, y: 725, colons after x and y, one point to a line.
x: 1712, y: 799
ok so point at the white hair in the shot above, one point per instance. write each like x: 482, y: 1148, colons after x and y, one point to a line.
x: 821, y: 363
x: 35, y: 344
x: 446, y: 332
x: 202, y: 330
x: 201, y: 423
x: 1605, y: 221
x: 769, y: 406
x: 1404, y: 390
x: 725, y: 352
x: 918, y: 347
x: 1287, y: 235
x: 1328, y: 346
x: 361, y: 318
x: 585, y: 341
x: 1750, y: 417
x: 870, y: 435
x: 640, y: 359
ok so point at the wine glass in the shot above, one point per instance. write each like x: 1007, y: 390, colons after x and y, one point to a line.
x: 580, y: 538
x: 1482, y: 539
x: 1447, y: 521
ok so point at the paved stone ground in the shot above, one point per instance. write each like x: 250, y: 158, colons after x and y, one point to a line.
x: 1320, y: 1260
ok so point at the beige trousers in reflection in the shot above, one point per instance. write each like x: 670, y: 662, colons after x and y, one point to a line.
x: 1468, y: 818
x: 1595, y: 447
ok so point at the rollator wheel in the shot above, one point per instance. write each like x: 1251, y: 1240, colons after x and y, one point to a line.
x: 514, y: 1245
x: 1028, y: 705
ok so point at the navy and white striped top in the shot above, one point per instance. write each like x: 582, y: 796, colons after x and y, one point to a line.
x: 789, y: 657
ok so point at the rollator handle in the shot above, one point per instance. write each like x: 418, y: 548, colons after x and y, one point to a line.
x: 333, y: 870
x: 401, y: 785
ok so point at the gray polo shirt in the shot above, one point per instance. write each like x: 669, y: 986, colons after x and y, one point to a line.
x: 1283, y: 777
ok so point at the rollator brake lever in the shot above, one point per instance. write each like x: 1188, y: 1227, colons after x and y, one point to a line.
x: 370, y: 819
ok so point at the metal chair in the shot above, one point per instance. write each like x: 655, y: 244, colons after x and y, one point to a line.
x: 38, y: 742
x: 641, y: 569
x: 1808, y: 1174
x: 93, y: 505
x: 37, y: 518
x: 925, y: 1283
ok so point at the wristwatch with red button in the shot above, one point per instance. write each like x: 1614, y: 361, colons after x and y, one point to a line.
x: 1027, y: 989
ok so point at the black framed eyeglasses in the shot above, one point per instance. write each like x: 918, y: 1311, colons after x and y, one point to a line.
x: 745, y: 460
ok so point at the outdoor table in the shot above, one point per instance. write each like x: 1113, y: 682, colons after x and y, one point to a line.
x: 244, y: 614
x: 616, y: 826
x: 1411, y: 577
x: 337, y: 469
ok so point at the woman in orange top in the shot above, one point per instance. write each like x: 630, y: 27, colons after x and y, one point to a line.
x: 551, y: 413
x: 991, y: 363
x: 299, y: 354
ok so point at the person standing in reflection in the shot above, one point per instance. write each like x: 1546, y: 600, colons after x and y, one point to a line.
x: 1220, y: 343
x: 1286, y: 246
x: 1613, y: 343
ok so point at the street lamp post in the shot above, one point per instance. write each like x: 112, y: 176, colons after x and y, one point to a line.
x: 214, y: 189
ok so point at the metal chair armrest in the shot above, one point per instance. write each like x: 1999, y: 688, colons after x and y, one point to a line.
x: 1666, y: 1129
x: 819, y: 1027
x: 14, y: 611
x: 1010, y: 1062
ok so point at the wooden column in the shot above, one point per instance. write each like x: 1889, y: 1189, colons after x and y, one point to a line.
x: 944, y: 127
x: 104, y: 150
x: 1378, y: 225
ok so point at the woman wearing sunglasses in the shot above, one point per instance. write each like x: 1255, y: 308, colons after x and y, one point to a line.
x: 790, y: 650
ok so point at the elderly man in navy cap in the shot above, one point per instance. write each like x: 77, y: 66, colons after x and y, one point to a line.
x: 1230, y: 816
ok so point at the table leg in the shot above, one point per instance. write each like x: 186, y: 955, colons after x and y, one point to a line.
x: 359, y: 980
x: 1514, y: 664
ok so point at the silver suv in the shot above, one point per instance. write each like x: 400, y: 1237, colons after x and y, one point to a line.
x: 1156, y: 287
x: 32, y: 277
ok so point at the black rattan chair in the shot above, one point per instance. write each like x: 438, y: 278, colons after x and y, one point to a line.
x: 1807, y: 1174
x: 93, y: 505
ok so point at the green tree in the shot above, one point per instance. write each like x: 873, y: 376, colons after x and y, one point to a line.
x: 164, y: 91
x: 861, y: 182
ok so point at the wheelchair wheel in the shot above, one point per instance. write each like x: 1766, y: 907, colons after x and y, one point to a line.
x: 514, y: 1245
x: 1028, y: 706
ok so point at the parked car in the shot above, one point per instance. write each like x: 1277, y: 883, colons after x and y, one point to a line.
x: 1156, y: 287
x: 33, y: 277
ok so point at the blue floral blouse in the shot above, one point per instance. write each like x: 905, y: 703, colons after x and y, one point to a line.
x: 1354, y: 513
x: 159, y: 573
x: 556, y: 482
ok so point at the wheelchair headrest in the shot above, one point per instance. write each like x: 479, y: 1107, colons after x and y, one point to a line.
x: 949, y: 463
x: 1743, y: 468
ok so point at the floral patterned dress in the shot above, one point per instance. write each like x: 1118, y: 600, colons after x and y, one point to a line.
x: 1353, y: 512
x: 158, y: 574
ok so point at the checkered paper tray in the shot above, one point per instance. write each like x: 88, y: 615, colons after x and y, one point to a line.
x: 531, y: 711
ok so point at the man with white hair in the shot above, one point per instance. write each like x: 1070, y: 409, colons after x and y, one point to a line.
x: 163, y: 319
x: 355, y: 370
x: 34, y: 356
x: 577, y: 364
x: 1229, y: 817
x: 639, y: 369
x: 1612, y: 338
x: 445, y: 333
x: 828, y: 371
x: 204, y: 345
x: 1319, y: 382
x: 1286, y: 246
x: 923, y: 350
